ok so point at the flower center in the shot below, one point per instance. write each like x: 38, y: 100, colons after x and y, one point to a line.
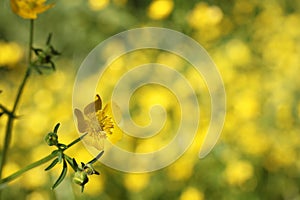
x: 94, y: 125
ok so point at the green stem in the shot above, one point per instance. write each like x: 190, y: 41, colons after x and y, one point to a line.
x: 9, y: 125
x: 75, y: 141
x: 27, y: 74
x: 35, y: 164
x: 25, y: 169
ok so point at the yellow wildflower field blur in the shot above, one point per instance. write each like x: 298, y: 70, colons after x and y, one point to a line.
x: 255, y: 45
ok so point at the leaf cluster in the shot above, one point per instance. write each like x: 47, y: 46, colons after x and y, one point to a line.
x: 81, y: 171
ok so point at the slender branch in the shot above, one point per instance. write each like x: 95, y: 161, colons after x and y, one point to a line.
x: 35, y: 164
x: 9, y: 125
x: 5, y: 110
x: 21, y: 88
x: 25, y: 169
x: 31, y: 36
x: 75, y: 141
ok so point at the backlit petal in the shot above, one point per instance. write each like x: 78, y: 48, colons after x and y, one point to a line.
x: 82, y: 124
x: 94, y: 106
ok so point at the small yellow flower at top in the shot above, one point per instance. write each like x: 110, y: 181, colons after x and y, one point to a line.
x: 29, y: 9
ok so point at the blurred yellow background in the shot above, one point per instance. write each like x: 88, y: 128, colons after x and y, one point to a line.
x: 255, y: 45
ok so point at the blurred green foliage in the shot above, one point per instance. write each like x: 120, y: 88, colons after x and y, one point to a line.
x: 255, y: 45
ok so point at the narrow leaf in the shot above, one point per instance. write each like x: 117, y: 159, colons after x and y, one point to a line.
x: 37, y: 51
x: 60, y: 156
x: 54, y: 51
x: 49, y: 39
x: 75, y: 163
x: 52, y: 65
x: 61, y: 176
x: 96, y: 158
x: 54, y: 162
x: 55, y: 152
x: 37, y: 69
x: 71, y: 163
x: 56, y: 127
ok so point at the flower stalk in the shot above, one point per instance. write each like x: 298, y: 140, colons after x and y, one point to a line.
x: 11, y: 118
x: 42, y: 161
x: 97, y: 125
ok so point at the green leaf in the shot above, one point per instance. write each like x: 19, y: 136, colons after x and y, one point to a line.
x: 61, y: 176
x: 37, y: 51
x: 54, y: 162
x: 56, y: 127
x: 96, y: 158
x: 75, y: 163
x: 43, y: 69
x: 72, y: 163
x: 37, y: 69
x: 56, y: 152
x: 48, y: 42
x: 60, y: 156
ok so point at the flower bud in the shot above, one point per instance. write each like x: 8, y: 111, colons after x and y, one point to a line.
x: 89, y: 169
x: 80, y: 178
x: 51, y: 139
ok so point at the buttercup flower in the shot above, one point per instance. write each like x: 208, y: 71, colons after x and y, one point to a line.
x: 29, y: 9
x: 97, y: 123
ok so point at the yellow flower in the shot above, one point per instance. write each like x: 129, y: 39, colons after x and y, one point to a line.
x: 192, y: 193
x: 98, y: 4
x: 238, y: 172
x: 11, y: 54
x: 96, y: 122
x: 160, y: 9
x: 29, y: 9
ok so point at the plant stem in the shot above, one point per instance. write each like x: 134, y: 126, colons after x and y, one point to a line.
x: 75, y: 141
x: 35, y: 164
x: 25, y: 169
x: 11, y: 118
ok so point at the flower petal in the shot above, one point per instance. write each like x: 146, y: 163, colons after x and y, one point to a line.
x: 116, y: 136
x: 94, y: 140
x: 94, y: 106
x: 82, y: 124
x: 29, y: 9
x: 112, y: 109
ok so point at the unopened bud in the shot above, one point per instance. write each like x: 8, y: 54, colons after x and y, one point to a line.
x: 80, y: 178
x: 51, y: 139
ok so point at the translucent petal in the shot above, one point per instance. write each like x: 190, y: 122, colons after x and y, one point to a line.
x: 94, y: 106
x: 82, y: 124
